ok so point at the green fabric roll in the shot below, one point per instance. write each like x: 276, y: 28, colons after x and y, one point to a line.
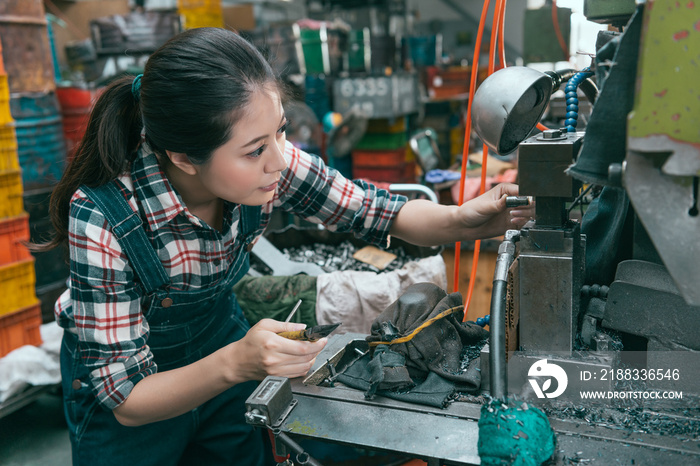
x: 274, y: 297
x: 514, y: 434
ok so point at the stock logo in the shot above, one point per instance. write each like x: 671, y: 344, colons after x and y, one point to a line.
x: 542, y: 370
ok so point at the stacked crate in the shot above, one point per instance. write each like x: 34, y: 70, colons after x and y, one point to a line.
x: 383, y: 154
x: 20, y: 310
x: 201, y: 13
x: 37, y: 135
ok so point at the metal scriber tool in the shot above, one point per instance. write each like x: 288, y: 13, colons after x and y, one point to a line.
x: 291, y: 314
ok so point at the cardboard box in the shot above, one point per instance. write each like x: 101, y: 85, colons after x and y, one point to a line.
x: 239, y: 17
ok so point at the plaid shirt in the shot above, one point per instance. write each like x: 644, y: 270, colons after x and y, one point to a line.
x: 103, y: 304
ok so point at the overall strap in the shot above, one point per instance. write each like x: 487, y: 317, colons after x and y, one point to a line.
x: 250, y: 219
x: 127, y: 228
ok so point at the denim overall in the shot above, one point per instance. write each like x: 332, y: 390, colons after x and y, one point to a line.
x: 185, y: 326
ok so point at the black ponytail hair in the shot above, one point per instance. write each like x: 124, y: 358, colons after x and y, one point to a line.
x: 193, y: 91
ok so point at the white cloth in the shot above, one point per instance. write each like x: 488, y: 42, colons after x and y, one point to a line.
x: 32, y: 365
x: 357, y: 298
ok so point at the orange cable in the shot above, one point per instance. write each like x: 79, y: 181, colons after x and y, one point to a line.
x: 467, y: 130
x: 541, y: 127
x: 497, y: 20
x: 501, y: 36
x: 557, y: 31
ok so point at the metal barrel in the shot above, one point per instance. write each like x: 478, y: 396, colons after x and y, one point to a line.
x: 41, y: 145
x: 76, y: 104
x: 26, y: 48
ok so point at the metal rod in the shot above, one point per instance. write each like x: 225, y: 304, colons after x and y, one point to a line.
x: 302, y: 456
x: 291, y: 314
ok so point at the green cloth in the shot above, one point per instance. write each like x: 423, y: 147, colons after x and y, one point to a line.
x: 517, y: 434
x: 274, y: 297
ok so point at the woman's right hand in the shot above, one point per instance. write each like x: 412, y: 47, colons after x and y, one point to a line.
x: 263, y: 352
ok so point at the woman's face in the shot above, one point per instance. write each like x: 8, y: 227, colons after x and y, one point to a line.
x: 247, y: 168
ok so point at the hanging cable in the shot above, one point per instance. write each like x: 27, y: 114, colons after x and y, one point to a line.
x: 499, y: 11
x: 501, y: 35
x: 467, y: 132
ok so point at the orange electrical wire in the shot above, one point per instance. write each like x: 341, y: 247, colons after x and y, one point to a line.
x: 497, y: 20
x: 541, y: 127
x: 557, y: 31
x: 501, y: 36
x: 467, y: 132
x: 496, y: 34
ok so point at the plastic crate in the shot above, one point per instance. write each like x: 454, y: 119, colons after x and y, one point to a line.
x: 19, y: 328
x: 193, y: 20
x: 386, y: 125
x: 17, y: 282
x: 5, y: 114
x: 379, y: 158
x: 13, y: 232
x: 10, y: 193
x: 382, y: 141
x: 199, y: 6
x: 9, y: 160
x: 405, y: 173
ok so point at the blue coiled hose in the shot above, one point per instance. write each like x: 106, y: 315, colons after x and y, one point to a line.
x: 572, y: 98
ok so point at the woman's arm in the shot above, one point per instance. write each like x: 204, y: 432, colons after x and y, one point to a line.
x: 106, y: 307
x: 428, y: 224
x: 261, y: 352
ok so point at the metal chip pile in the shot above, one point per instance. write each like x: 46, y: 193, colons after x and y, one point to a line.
x: 339, y: 258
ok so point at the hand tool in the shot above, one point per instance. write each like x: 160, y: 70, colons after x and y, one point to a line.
x: 310, y: 334
x: 291, y: 314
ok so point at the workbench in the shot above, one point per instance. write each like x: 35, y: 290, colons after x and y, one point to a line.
x: 585, y: 434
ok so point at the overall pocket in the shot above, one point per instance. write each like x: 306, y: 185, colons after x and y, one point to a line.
x: 79, y: 401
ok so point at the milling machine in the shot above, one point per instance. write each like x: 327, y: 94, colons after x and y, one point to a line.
x: 600, y: 298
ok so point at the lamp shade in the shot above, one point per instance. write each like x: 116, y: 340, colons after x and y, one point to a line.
x: 508, y: 105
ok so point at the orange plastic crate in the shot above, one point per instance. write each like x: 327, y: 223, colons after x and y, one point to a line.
x: 17, y: 281
x: 19, y: 328
x: 13, y: 232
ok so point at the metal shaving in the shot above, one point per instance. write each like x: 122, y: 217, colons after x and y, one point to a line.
x: 333, y: 258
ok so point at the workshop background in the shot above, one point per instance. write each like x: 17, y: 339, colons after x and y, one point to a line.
x: 380, y: 90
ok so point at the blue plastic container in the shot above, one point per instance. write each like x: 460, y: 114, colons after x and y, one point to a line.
x: 41, y: 145
x: 423, y: 50
x: 316, y: 95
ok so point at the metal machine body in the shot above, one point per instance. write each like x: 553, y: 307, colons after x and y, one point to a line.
x: 548, y: 272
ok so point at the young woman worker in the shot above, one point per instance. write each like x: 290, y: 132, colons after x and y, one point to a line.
x: 175, y: 178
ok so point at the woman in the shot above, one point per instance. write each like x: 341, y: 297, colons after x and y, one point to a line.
x: 174, y: 180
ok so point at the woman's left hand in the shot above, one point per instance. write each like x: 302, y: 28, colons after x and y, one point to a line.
x: 487, y: 216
